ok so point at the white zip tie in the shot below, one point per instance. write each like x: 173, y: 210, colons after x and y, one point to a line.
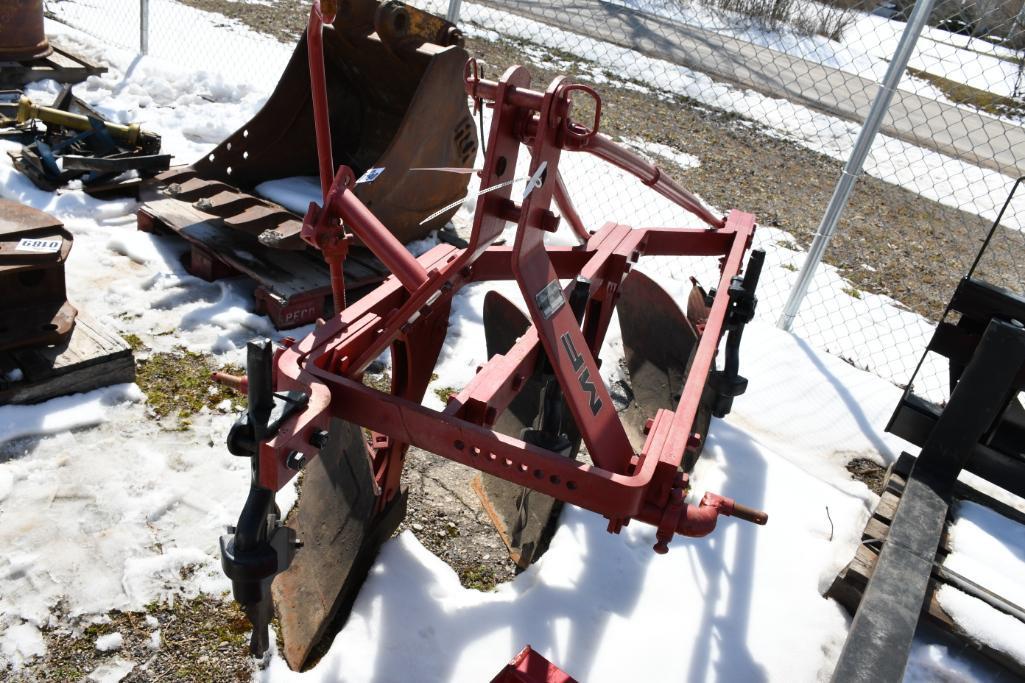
x: 460, y: 201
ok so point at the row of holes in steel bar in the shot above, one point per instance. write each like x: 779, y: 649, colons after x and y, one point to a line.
x: 521, y: 468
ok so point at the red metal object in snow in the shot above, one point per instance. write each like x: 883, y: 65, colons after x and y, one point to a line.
x: 530, y: 667
x: 308, y: 403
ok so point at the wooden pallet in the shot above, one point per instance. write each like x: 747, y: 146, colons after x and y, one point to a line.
x: 293, y: 287
x: 61, y: 65
x: 850, y: 583
x: 92, y: 357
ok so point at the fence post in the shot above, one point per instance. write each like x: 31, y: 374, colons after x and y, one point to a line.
x: 453, y: 11
x: 851, y: 170
x: 144, y: 26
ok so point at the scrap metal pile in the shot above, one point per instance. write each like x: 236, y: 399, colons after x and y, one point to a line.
x: 530, y: 408
x: 69, y: 141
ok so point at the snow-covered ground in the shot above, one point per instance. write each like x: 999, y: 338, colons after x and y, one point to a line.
x: 865, y: 48
x: 106, y: 516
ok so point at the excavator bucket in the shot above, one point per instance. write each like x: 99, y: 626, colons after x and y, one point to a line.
x: 524, y: 518
x: 395, y: 90
x: 659, y: 341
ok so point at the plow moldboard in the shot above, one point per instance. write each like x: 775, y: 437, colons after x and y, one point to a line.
x: 658, y: 344
x: 525, y: 519
x: 335, y: 520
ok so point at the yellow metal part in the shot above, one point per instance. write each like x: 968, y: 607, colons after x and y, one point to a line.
x: 28, y: 111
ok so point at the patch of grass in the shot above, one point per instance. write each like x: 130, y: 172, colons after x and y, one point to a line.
x: 478, y: 577
x: 133, y: 341
x: 203, y: 639
x: 965, y: 94
x: 178, y: 384
x: 380, y: 381
x: 852, y: 291
x: 443, y: 393
x: 789, y: 266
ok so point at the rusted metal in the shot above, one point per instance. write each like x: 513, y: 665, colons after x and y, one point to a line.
x: 531, y: 667
x: 525, y: 519
x: 21, y: 31
x: 408, y: 314
x: 34, y: 247
x: 60, y: 145
x: 392, y: 75
x: 659, y: 343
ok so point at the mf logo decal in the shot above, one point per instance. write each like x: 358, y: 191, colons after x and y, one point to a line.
x: 584, y: 378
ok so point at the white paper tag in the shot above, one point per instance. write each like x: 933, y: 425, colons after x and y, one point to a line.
x: 38, y: 246
x: 370, y: 176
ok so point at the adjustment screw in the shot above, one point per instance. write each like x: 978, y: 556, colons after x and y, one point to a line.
x: 295, y: 461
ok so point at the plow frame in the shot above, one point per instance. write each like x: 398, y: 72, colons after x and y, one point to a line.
x: 409, y: 313
x: 308, y: 396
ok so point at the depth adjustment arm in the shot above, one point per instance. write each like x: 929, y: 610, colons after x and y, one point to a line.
x: 259, y: 547
x: 728, y: 383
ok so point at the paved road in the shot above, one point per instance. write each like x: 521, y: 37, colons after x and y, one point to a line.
x: 976, y: 138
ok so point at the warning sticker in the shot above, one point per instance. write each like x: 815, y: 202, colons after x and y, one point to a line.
x: 370, y: 176
x: 550, y: 299
x: 39, y: 246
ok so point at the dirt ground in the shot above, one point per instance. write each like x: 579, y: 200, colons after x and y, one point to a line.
x: 890, y: 242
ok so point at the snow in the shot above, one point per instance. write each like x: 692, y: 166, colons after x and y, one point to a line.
x: 295, y: 193
x: 111, y: 672
x: 64, y: 413
x: 725, y: 592
x: 998, y: 630
x: 865, y: 48
x: 110, y: 642
x: 989, y: 550
x: 101, y: 509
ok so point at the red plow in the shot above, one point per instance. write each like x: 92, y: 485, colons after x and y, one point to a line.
x: 524, y: 416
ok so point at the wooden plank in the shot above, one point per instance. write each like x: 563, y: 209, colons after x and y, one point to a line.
x: 62, y: 66
x: 287, y: 274
x: 92, y: 357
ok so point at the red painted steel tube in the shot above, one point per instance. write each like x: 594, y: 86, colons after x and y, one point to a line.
x: 328, y: 364
x: 704, y: 356
x: 566, y: 208
x: 379, y: 239
x: 603, y: 148
x: 318, y: 89
x: 650, y: 174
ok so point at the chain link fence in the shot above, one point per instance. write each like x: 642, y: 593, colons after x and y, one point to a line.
x: 753, y: 104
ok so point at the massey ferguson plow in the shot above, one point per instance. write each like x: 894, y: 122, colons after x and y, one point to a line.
x: 527, y: 411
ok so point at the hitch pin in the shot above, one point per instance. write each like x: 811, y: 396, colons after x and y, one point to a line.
x: 239, y: 383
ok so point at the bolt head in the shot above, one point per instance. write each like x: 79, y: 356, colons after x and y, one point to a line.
x: 295, y: 461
